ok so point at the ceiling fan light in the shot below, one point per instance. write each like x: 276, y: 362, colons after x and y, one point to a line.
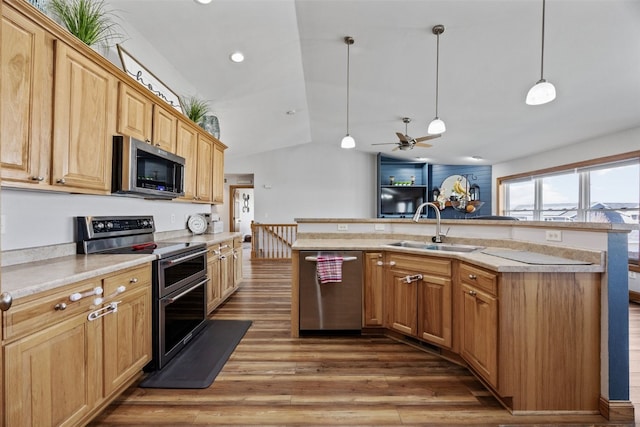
x: 348, y: 142
x: 436, y: 126
x: 541, y: 93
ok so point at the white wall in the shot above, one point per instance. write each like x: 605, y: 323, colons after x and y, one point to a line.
x: 602, y: 146
x: 33, y: 218
x: 310, y: 181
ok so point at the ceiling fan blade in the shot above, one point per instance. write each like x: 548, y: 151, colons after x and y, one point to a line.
x: 386, y: 143
x: 426, y: 138
x: 402, y: 137
x: 396, y: 149
x: 420, y: 144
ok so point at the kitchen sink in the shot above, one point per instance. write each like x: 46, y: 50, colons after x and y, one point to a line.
x: 448, y: 247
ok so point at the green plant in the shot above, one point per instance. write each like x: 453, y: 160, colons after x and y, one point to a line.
x: 89, y: 20
x: 195, y: 108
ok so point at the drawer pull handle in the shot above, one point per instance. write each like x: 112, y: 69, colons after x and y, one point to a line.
x: 380, y: 263
x: 392, y: 263
x: 473, y: 277
x: 60, y: 306
x: 473, y: 293
x: 37, y: 178
x: 134, y: 280
x: 5, y: 301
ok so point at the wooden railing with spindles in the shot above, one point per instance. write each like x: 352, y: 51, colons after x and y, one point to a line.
x: 272, y: 241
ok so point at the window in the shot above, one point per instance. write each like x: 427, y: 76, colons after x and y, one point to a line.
x: 596, y: 192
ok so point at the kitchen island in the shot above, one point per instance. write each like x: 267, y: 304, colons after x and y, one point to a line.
x: 540, y: 336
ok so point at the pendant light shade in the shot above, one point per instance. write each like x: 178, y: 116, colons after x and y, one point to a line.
x: 437, y: 126
x: 543, y: 91
x: 348, y: 141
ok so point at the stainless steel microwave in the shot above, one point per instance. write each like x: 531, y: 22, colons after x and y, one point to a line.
x: 141, y: 169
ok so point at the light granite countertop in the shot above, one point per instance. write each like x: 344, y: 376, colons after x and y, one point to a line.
x: 28, y: 278
x: 477, y: 257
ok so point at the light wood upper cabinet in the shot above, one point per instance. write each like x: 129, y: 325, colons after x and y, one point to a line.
x: 218, y: 173
x: 205, y: 169
x: 26, y: 59
x: 141, y: 118
x: 187, y: 147
x: 135, y: 113
x: 165, y: 128
x: 85, y: 122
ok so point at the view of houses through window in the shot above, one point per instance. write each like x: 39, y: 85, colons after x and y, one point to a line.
x: 606, y: 192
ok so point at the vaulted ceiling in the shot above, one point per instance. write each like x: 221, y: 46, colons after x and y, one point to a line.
x: 291, y: 88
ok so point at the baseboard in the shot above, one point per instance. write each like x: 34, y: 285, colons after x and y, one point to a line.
x: 634, y: 296
x: 617, y: 410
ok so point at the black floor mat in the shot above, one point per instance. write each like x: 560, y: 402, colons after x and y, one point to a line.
x: 200, y: 362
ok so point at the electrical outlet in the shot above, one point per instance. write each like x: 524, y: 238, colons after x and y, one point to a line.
x: 3, y: 224
x: 343, y: 227
x: 554, y: 235
x: 632, y: 275
x: 378, y: 227
x: 173, y: 218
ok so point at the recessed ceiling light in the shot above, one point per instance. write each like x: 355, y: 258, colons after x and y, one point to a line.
x: 476, y: 158
x: 291, y: 112
x: 421, y: 159
x: 203, y: 1
x: 237, y: 57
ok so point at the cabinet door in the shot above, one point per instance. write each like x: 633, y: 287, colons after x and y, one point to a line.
x: 127, y: 338
x: 237, y: 266
x: 479, y: 338
x: 84, y: 117
x: 25, y: 104
x: 188, y: 148
x: 226, y: 273
x: 434, y: 310
x: 403, y: 306
x: 52, y: 378
x: 373, y: 281
x: 165, y: 125
x: 135, y: 113
x: 214, y: 290
x: 218, y: 174
x: 205, y: 169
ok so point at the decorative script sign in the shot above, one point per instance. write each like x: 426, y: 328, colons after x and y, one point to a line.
x: 143, y: 76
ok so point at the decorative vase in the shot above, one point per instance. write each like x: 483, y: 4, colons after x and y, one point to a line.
x: 40, y: 4
x: 211, y: 125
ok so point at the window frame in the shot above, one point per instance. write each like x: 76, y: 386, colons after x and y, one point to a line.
x: 583, y: 170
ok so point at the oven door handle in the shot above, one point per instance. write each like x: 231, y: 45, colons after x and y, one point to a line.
x: 186, y: 257
x: 181, y: 294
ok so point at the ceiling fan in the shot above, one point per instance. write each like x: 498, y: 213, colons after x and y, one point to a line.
x: 406, y: 142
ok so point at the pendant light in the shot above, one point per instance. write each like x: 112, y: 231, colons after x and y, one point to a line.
x: 543, y: 91
x: 437, y: 126
x: 348, y: 141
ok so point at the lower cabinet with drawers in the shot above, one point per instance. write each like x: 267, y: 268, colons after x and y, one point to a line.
x: 67, y: 355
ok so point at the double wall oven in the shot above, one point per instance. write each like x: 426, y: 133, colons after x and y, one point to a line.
x: 179, y: 277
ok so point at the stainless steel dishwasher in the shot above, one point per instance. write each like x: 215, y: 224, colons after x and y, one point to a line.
x: 331, y: 306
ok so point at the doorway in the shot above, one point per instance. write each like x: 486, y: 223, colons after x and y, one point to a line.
x: 241, y: 209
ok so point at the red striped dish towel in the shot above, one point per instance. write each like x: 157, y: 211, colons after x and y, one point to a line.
x: 329, y: 269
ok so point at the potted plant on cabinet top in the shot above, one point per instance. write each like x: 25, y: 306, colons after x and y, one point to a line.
x: 88, y: 20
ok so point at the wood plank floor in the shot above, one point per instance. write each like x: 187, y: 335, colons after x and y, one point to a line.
x: 272, y: 379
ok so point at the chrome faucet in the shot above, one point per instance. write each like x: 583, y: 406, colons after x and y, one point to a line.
x: 438, y: 237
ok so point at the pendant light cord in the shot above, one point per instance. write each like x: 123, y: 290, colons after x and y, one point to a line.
x: 349, y: 41
x: 437, y: 69
x: 542, y: 54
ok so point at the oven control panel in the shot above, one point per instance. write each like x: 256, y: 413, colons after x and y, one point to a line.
x: 98, y: 227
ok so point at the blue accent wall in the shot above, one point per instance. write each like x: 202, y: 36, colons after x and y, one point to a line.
x: 618, y: 312
x: 438, y: 173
